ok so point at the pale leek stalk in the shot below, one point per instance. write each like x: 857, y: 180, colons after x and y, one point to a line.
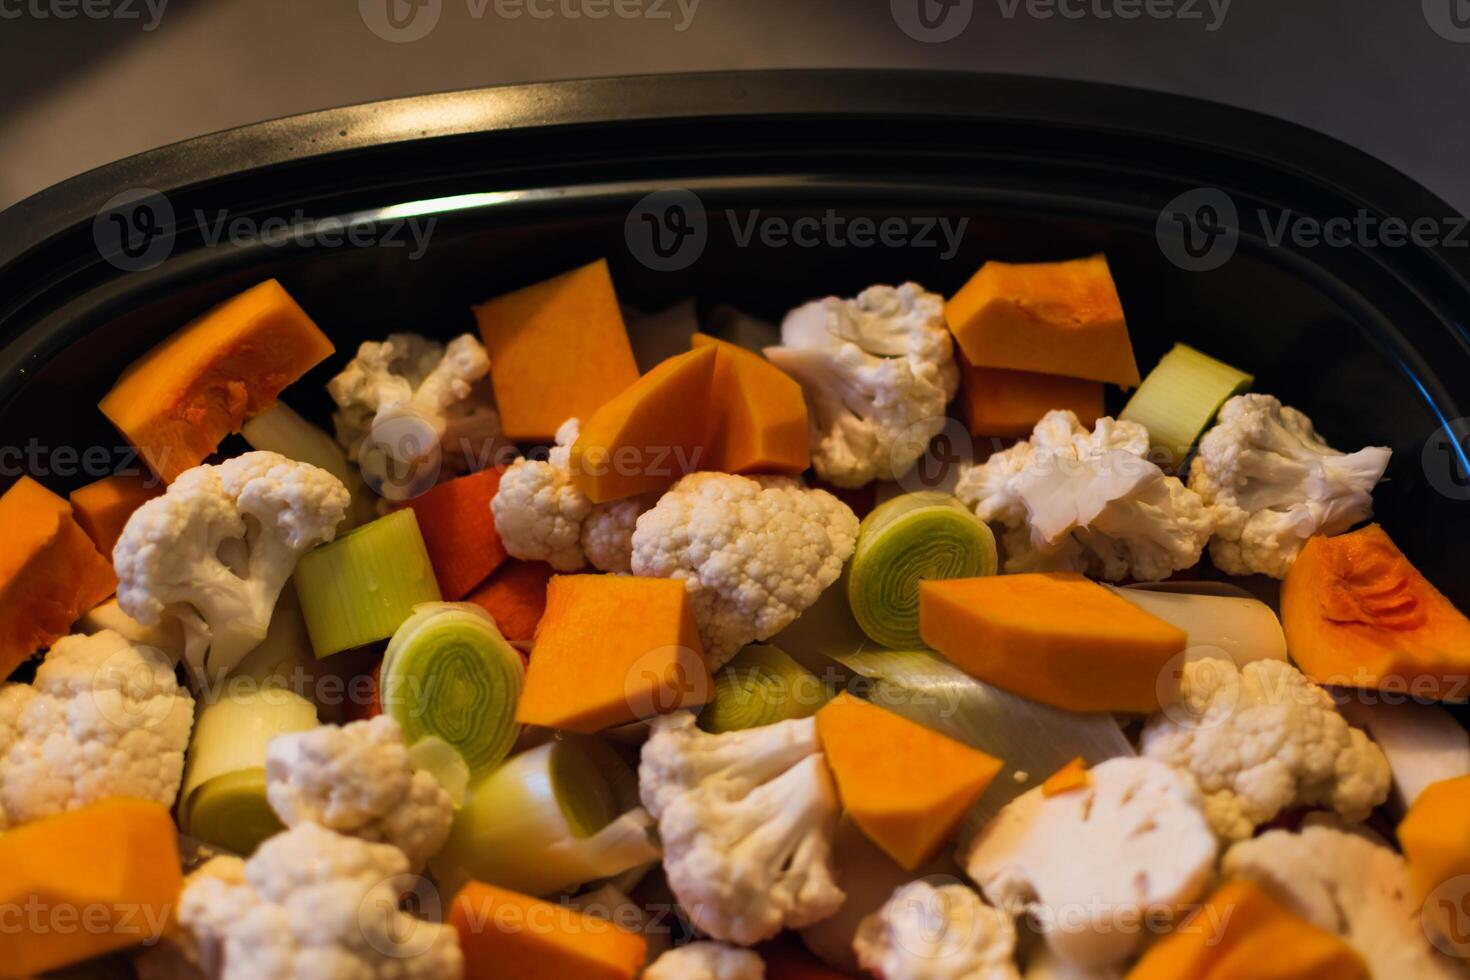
x: 279, y: 429
x: 1230, y: 627
x: 918, y: 536
x: 433, y: 755
x: 449, y: 673
x: 361, y: 587
x: 761, y: 685
x: 1179, y: 399
x: 223, y: 800
x: 548, y: 820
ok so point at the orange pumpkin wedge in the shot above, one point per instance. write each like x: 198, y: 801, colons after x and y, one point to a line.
x: 758, y: 416
x: 176, y: 402
x: 507, y: 934
x: 1008, y: 404
x: 1357, y: 613
x: 103, y: 507
x: 907, y: 786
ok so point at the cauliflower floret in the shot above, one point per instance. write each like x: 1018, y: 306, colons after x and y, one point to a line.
x: 1350, y: 886
x: 357, y: 780
x: 216, y: 549
x: 317, y: 904
x: 877, y: 371
x: 746, y: 821
x: 707, y: 961
x: 104, y: 718
x: 542, y: 516
x: 945, y: 933
x: 1273, y: 483
x: 1261, y: 739
x: 1073, y: 500
x: 754, y: 552
x: 408, y: 400
x: 1088, y: 865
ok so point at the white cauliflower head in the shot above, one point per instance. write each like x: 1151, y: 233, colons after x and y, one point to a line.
x: 1262, y: 739
x: 878, y: 371
x: 357, y: 780
x: 540, y: 514
x: 1273, y: 483
x: 1092, y: 864
x: 707, y: 961
x: 1351, y: 886
x: 312, y: 903
x: 1070, y: 499
x: 104, y: 718
x: 746, y: 820
x: 754, y: 552
x: 407, y: 400
x: 216, y: 549
x: 925, y: 932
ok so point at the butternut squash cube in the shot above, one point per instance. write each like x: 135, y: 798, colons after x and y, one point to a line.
x: 176, y: 402
x: 651, y: 434
x: 1071, y: 776
x: 50, y: 572
x: 1241, y: 933
x: 1051, y: 317
x: 907, y: 786
x: 557, y: 349
x: 1008, y: 404
x: 103, y: 507
x: 1053, y: 637
x: 758, y: 417
x: 611, y: 650
x: 100, y: 878
x: 1435, y: 836
x: 1357, y: 613
x: 505, y: 934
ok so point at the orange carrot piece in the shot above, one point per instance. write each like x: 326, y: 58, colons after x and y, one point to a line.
x: 103, y: 507
x: 50, y: 572
x: 459, y: 531
x: 516, y: 597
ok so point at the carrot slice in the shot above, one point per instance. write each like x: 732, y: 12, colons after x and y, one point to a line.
x: 516, y: 597
x: 459, y: 531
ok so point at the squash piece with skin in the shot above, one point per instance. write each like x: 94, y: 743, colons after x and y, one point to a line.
x: 558, y: 349
x: 103, y: 507
x: 50, y: 572
x: 1008, y: 404
x: 1357, y: 613
x: 1435, y: 836
x: 1050, y: 317
x: 611, y: 650
x: 1241, y: 933
x: 107, y: 875
x: 1053, y: 637
x: 650, y: 435
x: 907, y: 786
x: 178, y: 401
x: 506, y: 934
x: 758, y: 416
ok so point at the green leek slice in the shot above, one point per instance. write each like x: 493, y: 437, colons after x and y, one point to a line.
x: 279, y: 429
x: 361, y: 587
x: 918, y: 536
x: 1179, y: 399
x: 223, y: 801
x: 551, y: 818
x: 761, y: 686
x: 449, y: 673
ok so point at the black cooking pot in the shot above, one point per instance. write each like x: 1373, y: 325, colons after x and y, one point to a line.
x: 769, y: 189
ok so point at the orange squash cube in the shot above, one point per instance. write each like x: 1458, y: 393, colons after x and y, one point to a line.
x: 1435, y: 836
x: 611, y: 650
x: 1071, y: 776
x: 506, y: 934
x: 1008, y: 404
x: 1050, y: 317
x: 558, y: 349
x: 758, y: 416
x: 178, y: 401
x: 103, y: 507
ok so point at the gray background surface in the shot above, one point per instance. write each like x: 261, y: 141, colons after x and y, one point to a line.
x: 1389, y: 76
